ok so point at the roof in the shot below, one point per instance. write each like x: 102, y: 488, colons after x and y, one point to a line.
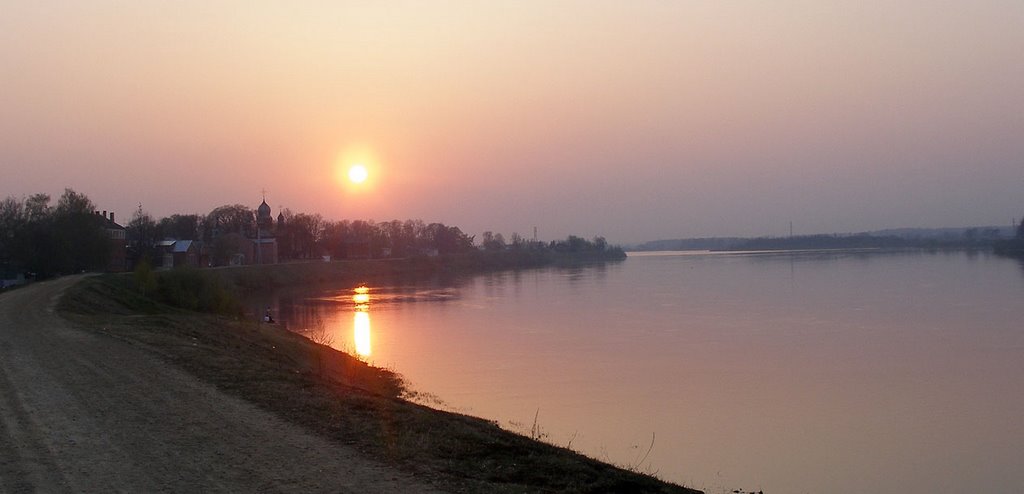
x: 176, y: 245
x: 182, y: 246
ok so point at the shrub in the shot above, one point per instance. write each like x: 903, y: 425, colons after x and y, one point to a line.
x: 192, y: 289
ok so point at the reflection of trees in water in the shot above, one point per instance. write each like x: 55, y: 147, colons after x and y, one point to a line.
x: 340, y: 297
x: 299, y: 308
x: 495, y: 283
x: 586, y: 272
x: 1017, y: 256
x: 863, y: 255
x: 302, y: 317
x: 285, y: 306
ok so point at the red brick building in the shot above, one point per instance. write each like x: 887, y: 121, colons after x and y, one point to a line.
x: 118, y: 244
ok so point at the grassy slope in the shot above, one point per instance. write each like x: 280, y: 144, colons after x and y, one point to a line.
x: 339, y: 396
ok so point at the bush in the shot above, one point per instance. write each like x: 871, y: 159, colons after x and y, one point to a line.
x: 192, y: 289
x: 145, y: 279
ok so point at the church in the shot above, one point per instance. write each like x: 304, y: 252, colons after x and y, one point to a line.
x: 264, y: 246
x: 249, y: 246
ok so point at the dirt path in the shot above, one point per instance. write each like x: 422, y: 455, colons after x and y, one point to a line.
x: 83, y: 412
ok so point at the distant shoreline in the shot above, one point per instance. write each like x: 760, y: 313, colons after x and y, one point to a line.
x: 866, y: 250
x: 968, y: 238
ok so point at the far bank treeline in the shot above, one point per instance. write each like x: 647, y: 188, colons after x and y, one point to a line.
x: 1014, y: 246
x: 996, y: 239
x: 44, y: 239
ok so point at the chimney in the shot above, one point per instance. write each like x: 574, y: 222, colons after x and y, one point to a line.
x: 111, y: 216
x: 104, y: 214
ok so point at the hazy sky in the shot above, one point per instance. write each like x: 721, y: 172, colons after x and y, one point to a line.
x: 634, y: 120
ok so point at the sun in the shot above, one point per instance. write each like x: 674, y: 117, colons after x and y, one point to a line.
x: 357, y: 174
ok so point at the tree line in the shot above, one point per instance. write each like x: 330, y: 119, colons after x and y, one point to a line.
x: 1014, y: 246
x: 43, y: 239
x: 298, y: 235
x: 46, y: 239
x: 970, y: 238
x: 309, y: 236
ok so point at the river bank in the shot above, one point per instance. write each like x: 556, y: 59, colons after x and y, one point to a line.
x: 86, y: 412
x: 337, y: 395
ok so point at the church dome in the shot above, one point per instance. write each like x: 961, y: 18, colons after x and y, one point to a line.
x: 263, y: 211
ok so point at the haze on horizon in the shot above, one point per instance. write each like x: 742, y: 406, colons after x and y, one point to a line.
x: 632, y: 120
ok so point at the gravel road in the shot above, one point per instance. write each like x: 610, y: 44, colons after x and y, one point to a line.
x: 84, y: 412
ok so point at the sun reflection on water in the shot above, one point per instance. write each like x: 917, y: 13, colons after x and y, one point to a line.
x: 361, y: 321
x: 362, y: 333
x: 361, y: 296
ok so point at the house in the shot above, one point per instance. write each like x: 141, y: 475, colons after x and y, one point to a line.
x: 233, y: 249
x: 186, y: 253
x: 165, y: 248
x: 118, y: 243
x: 178, y: 253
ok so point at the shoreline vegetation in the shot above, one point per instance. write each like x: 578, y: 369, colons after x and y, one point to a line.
x: 1012, y: 248
x: 191, y: 318
x: 955, y: 238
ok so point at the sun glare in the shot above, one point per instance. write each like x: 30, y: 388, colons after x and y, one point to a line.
x: 361, y: 297
x: 357, y: 174
x: 361, y: 326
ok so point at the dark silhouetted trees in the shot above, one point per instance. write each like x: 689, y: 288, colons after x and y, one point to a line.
x: 574, y: 244
x: 447, y: 239
x: 234, y: 218
x: 37, y: 236
x: 1014, y: 246
x: 142, y: 234
x: 302, y: 236
x: 48, y: 240
x: 181, y: 227
x: 493, y: 241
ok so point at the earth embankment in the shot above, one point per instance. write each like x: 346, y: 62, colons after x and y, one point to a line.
x: 81, y: 411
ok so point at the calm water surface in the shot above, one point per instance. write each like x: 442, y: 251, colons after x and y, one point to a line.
x: 791, y: 373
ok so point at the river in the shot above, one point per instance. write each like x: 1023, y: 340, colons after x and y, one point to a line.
x: 795, y: 372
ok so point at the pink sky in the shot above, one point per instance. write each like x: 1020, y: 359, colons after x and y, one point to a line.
x: 633, y: 120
